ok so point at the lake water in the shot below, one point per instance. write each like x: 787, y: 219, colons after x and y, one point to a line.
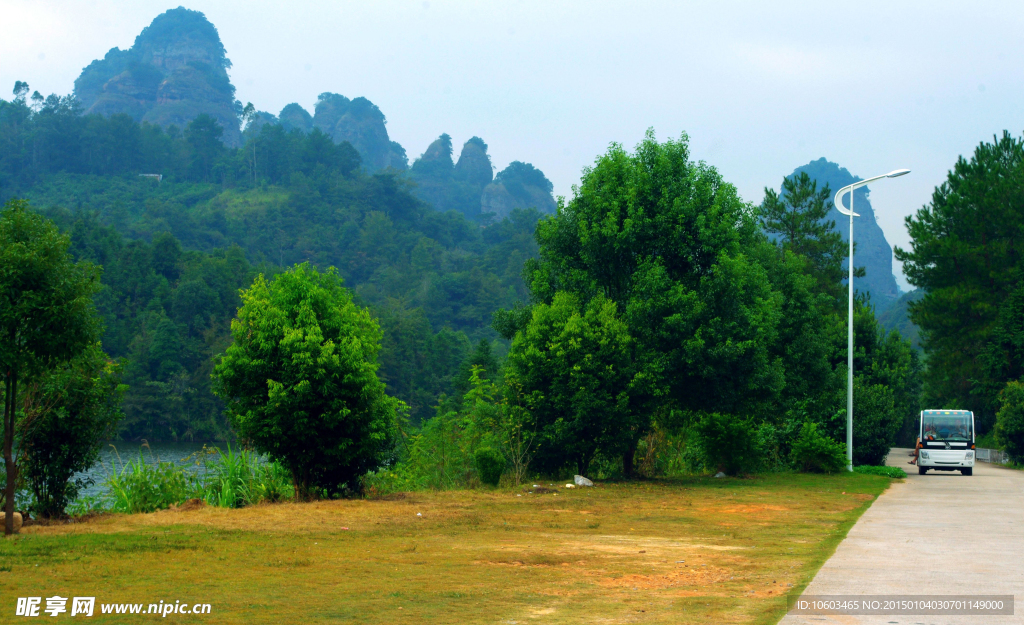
x: 114, y: 455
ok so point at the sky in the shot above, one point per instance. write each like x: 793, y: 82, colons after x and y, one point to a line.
x: 759, y: 87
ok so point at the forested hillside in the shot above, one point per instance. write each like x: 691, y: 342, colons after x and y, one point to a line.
x: 175, y: 250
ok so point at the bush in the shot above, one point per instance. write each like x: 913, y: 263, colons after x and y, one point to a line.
x: 893, y: 472
x: 74, y: 407
x: 1009, y: 427
x: 489, y: 465
x: 875, y: 423
x: 300, y: 381
x: 813, y: 452
x: 728, y: 443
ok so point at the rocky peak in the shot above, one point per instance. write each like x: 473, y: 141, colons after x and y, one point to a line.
x: 520, y: 185
x: 294, y: 117
x: 474, y: 164
x: 873, y: 251
x: 362, y: 124
x: 175, y: 71
x: 438, y: 155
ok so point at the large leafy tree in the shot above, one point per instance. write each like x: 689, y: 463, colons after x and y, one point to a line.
x: 300, y: 380
x: 966, y: 254
x: 46, y: 314
x: 666, y: 240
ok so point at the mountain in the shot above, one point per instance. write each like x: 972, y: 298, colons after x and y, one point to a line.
x: 897, y: 317
x: 467, y: 186
x: 175, y: 71
x: 362, y: 124
x: 520, y: 185
x: 294, y: 117
x: 873, y: 252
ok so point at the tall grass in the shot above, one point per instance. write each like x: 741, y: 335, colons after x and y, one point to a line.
x: 240, y: 479
x: 231, y: 479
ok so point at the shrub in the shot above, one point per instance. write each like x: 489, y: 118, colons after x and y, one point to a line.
x: 73, y: 408
x: 813, y: 452
x: 300, y: 381
x: 875, y: 423
x: 728, y: 443
x: 893, y: 472
x: 1009, y: 427
x: 489, y: 465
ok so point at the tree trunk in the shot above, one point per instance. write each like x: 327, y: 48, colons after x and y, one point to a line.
x: 628, y: 459
x: 10, y: 407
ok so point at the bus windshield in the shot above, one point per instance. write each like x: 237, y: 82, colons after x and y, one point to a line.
x: 946, y: 427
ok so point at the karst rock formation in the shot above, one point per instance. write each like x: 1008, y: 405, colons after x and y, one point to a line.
x: 175, y: 71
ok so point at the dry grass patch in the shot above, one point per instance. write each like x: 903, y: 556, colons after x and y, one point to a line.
x: 696, y: 550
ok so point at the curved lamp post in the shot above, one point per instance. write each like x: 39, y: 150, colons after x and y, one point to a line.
x: 849, y: 342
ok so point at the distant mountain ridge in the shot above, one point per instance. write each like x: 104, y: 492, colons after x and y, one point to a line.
x: 873, y: 251
x: 177, y: 70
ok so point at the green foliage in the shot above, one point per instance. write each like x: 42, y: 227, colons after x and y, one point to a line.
x: 70, y: 411
x: 666, y: 240
x: 728, y: 443
x: 894, y: 472
x: 897, y: 317
x: 444, y: 452
x: 166, y: 313
x: 300, y: 382
x: 1009, y: 428
x: 47, y: 316
x: 239, y: 479
x: 798, y: 218
x: 964, y: 254
x: 229, y: 480
x: 813, y: 452
x: 489, y: 465
x: 140, y: 487
x: 575, y: 369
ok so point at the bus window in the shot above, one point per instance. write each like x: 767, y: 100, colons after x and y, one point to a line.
x: 946, y: 427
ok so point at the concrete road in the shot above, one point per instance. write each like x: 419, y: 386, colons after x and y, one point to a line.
x: 940, y: 533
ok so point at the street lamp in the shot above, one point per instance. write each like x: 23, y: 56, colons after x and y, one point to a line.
x: 849, y: 338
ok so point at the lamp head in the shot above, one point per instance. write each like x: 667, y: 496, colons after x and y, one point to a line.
x: 897, y: 173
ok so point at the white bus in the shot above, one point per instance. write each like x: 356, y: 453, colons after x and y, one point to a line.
x: 946, y: 441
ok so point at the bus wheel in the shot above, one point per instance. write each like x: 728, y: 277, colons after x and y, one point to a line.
x: 969, y: 471
x: 921, y: 470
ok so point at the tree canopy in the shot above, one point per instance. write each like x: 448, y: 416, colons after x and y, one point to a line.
x: 300, y: 380
x: 966, y: 254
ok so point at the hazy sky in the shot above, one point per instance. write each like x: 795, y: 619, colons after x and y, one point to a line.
x: 760, y: 87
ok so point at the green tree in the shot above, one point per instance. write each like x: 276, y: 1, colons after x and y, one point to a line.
x: 575, y: 367
x: 203, y: 136
x: 667, y: 240
x: 46, y: 314
x: 69, y: 412
x: 300, y: 380
x: 797, y: 217
x: 965, y: 253
x: 1010, y: 420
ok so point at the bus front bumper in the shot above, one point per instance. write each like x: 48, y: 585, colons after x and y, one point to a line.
x: 946, y: 459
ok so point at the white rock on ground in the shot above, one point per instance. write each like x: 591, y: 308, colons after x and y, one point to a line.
x: 582, y: 481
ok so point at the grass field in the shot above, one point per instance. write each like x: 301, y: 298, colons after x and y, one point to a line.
x: 696, y: 550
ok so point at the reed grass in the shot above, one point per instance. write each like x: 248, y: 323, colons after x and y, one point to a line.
x: 231, y: 479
